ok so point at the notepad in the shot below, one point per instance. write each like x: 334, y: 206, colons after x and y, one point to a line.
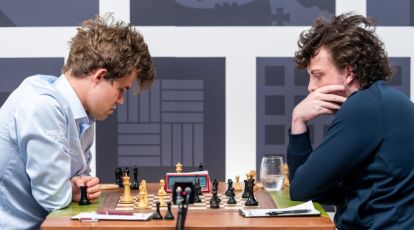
x: 305, y: 209
x: 95, y: 216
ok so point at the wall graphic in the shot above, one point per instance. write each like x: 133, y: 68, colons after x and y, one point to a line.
x: 181, y: 119
x: 16, y: 13
x: 229, y: 12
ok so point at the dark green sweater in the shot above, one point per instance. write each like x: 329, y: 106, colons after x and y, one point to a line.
x: 365, y: 164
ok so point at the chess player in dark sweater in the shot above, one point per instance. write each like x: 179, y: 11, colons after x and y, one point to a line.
x: 365, y: 164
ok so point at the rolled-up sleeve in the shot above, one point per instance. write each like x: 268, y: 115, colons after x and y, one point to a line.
x: 41, y: 133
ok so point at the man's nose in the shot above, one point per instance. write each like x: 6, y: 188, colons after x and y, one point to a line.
x: 311, y: 86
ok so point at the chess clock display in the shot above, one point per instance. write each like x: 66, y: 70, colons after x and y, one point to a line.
x: 203, y: 177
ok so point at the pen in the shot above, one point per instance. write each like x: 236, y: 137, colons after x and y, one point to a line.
x: 86, y: 219
x: 297, y: 211
x: 114, y: 212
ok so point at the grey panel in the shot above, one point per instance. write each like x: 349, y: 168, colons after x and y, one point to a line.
x: 229, y: 12
x: 144, y: 107
x: 140, y: 162
x: 166, y: 145
x: 182, y: 95
x: 274, y: 134
x: 176, y: 143
x: 139, y: 139
x: 180, y: 84
x: 15, y: 70
x: 188, y: 145
x: 155, y: 114
x: 132, y: 107
x: 46, y: 12
x: 391, y: 13
x: 274, y: 105
x: 182, y: 117
x: 274, y: 75
x: 143, y: 150
x: 138, y: 128
x: 182, y: 106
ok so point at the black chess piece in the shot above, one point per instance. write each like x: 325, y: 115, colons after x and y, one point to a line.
x: 169, y: 215
x: 215, y: 184
x: 84, y: 196
x: 197, y: 181
x: 251, y: 201
x: 135, y: 183
x: 157, y: 213
x: 201, y: 166
x: 229, y: 186
x: 245, y: 192
x: 197, y: 190
x: 126, y: 171
x: 232, y: 195
x: 214, y: 200
x: 118, y: 177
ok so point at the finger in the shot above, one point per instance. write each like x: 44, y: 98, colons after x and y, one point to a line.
x: 331, y: 88
x: 92, y: 181
x: 78, y: 181
x: 94, y: 189
x: 94, y: 196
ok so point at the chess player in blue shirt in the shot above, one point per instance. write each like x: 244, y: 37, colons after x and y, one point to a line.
x: 365, y: 163
x: 47, y: 123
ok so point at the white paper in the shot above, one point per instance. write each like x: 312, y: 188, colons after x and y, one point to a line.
x: 264, y: 212
x: 95, y: 216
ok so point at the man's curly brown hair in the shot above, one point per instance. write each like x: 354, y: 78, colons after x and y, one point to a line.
x: 115, y: 46
x: 352, y: 41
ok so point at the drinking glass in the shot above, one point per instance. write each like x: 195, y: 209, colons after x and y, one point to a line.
x: 272, y: 173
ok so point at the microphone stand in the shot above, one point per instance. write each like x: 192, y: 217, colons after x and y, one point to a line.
x: 183, y: 208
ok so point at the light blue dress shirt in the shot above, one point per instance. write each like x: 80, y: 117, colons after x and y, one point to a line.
x: 45, y: 139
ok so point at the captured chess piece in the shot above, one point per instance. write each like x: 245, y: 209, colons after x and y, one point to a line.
x: 201, y: 166
x: 157, y: 213
x: 169, y: 215
x: 126, y: 171
x: 84, y: 196
x: 197, y: 182
x: 237, y: 186
x: 135, y: 183
x: 179, y: 167
x: 197, y: 190
x: 118, y: 177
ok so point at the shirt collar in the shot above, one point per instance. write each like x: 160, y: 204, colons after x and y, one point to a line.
x: 65, y: 89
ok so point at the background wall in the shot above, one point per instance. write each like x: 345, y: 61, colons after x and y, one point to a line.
x: 226, y: 82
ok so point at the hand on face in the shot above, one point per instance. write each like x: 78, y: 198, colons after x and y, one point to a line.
x: 324, y: 100
x: 92, y: 184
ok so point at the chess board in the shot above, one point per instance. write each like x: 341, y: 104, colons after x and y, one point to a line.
x: 204, y: 204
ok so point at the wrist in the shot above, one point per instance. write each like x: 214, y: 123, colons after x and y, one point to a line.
x: 298, y: 126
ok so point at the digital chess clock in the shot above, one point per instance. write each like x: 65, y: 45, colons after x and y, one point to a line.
x: 203, y: 177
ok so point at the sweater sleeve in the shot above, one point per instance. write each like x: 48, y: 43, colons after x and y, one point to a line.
x: 353, y: 135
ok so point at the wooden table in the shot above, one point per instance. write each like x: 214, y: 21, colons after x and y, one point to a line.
x: 196, y: 219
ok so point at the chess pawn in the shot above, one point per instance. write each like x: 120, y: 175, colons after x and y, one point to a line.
x: 179, y: 167
x: 161, y: 191
x: 161, y: 199
x: 126, y: 197
x: 237, y: 186
x: 142, y: 204
x: 157, y: 213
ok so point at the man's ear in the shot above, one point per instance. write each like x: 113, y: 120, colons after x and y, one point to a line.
x: 98, y: 75
x: 349, y: 74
